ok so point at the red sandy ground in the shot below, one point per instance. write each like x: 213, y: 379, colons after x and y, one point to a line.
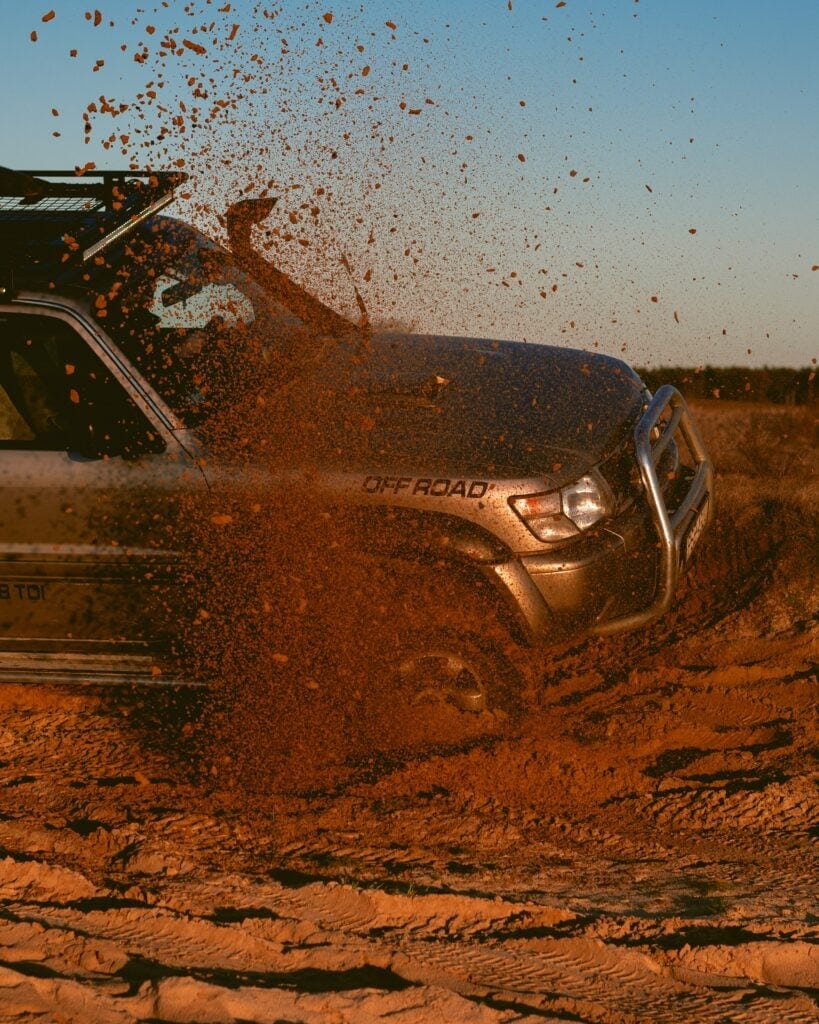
x: 639, y: 846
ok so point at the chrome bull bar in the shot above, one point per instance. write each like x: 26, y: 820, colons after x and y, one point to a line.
x: 678, y: 532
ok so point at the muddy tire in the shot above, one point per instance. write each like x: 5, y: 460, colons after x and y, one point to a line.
x: 445, y: 665
x: 448, y: 644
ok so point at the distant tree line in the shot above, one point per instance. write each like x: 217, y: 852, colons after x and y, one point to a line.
x: 781, y: 385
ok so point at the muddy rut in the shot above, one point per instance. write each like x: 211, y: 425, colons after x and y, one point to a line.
x: 640, y: 845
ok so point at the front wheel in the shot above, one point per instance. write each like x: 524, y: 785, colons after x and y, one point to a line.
x: 447, y: 642
x: 445, y: 665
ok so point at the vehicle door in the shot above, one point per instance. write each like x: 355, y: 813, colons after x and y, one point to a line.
x: 93, y: 484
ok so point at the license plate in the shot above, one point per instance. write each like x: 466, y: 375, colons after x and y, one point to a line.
x: 695, y: 530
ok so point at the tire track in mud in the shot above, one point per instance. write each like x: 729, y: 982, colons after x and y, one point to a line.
x: 124, y: 963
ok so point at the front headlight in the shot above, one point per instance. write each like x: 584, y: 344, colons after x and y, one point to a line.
x: 560, y: 515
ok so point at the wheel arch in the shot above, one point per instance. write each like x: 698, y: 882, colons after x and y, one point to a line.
x: 438, y: 542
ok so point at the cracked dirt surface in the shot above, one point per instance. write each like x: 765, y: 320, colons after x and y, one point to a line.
x: 640, y: 845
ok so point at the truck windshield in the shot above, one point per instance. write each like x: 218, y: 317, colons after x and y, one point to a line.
x: 201, y: 330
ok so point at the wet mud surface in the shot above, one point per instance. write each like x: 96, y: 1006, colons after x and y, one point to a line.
x: 639, y: 845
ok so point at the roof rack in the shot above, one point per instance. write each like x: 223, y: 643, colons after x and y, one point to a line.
x: 94, y: 208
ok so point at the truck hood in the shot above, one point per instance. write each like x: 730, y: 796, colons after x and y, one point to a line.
x: 472, y: 407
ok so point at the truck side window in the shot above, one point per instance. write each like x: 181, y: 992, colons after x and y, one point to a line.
x: 12, y: 425
x: 56, y: 394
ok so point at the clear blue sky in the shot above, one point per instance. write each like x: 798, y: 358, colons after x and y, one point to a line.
x: 677, y: 116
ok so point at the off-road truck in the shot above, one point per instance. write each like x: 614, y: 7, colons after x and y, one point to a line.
x: 542, y: 483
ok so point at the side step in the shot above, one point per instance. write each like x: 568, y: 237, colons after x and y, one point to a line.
x: 88, y: 669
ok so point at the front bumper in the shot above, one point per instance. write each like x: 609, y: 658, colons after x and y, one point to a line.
x: 624, y: 576
x: 668, y: 419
